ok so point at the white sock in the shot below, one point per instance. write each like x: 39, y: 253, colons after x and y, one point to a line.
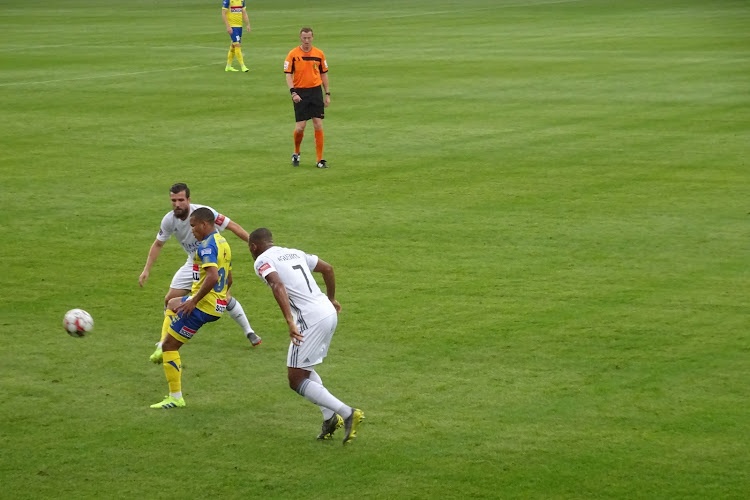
x: 176, y: 395
x: 316, y: 393
x: 327, y: 412
x: 234, y: 308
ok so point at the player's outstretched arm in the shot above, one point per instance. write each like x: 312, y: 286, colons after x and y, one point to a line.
x: 153, y: 254
x: 329, y: 278
x: 239, y: 231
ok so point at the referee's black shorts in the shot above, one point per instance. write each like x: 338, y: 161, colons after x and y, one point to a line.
x: 311, y: 105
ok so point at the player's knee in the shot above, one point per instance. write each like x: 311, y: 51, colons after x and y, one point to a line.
x: 171, y: 344
x: 173, y: 302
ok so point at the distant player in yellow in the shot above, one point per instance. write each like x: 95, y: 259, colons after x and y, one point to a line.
x: 233, y: 12
x: 212, y: 277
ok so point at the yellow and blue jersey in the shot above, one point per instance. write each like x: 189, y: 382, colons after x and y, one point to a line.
x: 234, y: 16
x: 213, y: 251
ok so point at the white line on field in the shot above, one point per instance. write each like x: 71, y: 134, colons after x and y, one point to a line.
x: 109, y: 75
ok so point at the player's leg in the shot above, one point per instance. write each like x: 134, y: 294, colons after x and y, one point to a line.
x: 236, y: 37
x: 331, y: 420
x: 180, y: 331
x: 301, y: 362
x: 172, y: 363
x: 237, y: 313
x: 299, y: 134
x: 238, y: 55
x: 182, y: 282
x: 319, y: 141
x: 300, y: 382
x: 230, y: 58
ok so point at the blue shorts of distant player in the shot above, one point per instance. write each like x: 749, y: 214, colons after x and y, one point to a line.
x: 184, y: 327
x: 236, y: 34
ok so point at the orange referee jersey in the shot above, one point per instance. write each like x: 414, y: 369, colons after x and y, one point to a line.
x: 306, y: 67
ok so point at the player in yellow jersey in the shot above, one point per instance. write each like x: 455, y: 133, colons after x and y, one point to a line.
x: 233, y: 12
x: 212, y: 277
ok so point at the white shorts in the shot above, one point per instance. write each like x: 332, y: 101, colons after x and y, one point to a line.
x: 315, y: 344
x: 183, y: 278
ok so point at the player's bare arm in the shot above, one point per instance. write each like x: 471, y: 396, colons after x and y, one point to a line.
x: 226, y: 21
x: 290, y: 84
x: 324, y: 79
x: 153, y: 254
x: 239, y: 231
x: 212, y: 278
x: 247, y: 20
x: 282, y: 298
x: 329, y: 278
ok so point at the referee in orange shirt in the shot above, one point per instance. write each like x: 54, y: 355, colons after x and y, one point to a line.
x: 306, y: 71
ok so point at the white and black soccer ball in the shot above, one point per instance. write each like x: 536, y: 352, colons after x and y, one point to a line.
x: 78, y: 322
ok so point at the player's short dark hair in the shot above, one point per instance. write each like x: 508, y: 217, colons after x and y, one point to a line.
x: 203, y: 214
x: 180, y: 186
x: 261, y: 235
x: 306, y: 29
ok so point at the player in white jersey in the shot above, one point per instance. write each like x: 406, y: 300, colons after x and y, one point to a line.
x: 177, y: 223
x: 312, y: 317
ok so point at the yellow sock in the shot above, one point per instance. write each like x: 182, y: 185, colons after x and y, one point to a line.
x: 238, y: 53
x: 168, y: 317
x: 173, y: 371
x: 230, y: 55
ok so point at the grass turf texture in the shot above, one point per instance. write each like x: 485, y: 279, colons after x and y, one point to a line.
x: 537, y: 212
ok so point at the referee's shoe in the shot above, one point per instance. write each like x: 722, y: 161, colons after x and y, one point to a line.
x: 322, y: 164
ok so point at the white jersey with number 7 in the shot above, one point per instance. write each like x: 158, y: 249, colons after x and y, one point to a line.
x: 308, y: 303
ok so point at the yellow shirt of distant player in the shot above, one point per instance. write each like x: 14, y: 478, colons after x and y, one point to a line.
x: 234, y: 16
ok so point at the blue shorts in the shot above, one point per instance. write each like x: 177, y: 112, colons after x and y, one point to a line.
x: 236, y: 35
x: 184, y: 327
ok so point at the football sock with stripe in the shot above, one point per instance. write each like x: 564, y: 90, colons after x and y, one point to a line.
x: 316, y: 393
x: 319, y: 144
x: 173, y: 371
x: 298, y: 136
x: 237, y: 313
x: 327, y: 412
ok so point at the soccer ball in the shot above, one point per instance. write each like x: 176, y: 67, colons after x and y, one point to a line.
x: 77, y: 322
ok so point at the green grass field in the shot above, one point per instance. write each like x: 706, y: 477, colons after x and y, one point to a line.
x: 537, y: 211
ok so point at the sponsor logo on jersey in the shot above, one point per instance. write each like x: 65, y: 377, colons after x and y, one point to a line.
x: 286, y: 65
x: 236, y: 10
x: 196, y: 267
x: 220, y: 219
x: 205, y: 251
x: 186, y: 332
x: 265, y: 267
x: 221, y: 306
